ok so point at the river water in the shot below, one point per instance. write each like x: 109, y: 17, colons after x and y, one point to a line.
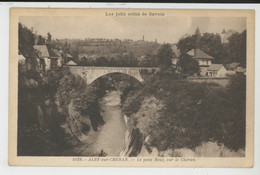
x: 110, y: 137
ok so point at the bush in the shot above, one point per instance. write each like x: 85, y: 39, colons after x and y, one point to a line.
x: 178, y: 113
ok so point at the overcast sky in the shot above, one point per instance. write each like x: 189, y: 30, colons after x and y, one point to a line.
x: 164, y: 29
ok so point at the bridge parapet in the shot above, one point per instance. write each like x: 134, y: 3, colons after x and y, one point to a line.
x: 90, y: 74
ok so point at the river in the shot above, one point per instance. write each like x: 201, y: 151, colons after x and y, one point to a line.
x: 110, y: 136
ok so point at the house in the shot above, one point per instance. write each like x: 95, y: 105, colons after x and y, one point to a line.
x: 216, y: 70
x: 241, y: 70
x: 54, y: 57
x: 44, y: 60
x: 59, y: 57
x: 232, y: 66
x: 203, y: 59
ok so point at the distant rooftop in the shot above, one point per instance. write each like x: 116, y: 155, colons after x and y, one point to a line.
x: 71, y: 63
x: 232, y: 65
x: 215, y: 67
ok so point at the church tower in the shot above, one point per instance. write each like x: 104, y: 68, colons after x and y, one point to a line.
x: 198, y: 36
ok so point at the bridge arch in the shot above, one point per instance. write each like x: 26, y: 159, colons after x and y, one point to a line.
x: 94, y: 77
x: 127, y: 76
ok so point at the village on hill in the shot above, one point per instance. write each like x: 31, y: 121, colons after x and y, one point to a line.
x: 129, y: 53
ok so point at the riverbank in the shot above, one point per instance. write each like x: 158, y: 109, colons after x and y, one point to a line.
x: 109, y: 138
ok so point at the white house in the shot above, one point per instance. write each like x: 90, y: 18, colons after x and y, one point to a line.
x: 216, y: 70
x: 176, y: 55
x: 44, y: 57
x: 203, y: 59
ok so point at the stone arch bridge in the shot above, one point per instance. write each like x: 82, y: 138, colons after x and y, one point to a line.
x: 90, y: 74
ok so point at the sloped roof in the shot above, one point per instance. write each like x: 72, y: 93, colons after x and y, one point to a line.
x: 68, y: 55
x: 56, y: 52
x: 215, y: 67
x: 198, y: 54
x: 241, y: 69
x: 232, y: 65
x: 42, y: 49
x: 71, y: 63
x: 53, y: 53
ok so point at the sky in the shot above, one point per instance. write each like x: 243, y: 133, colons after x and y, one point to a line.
x: 164, y: 29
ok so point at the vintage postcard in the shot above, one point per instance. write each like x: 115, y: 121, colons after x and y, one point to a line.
x: 131, y: 87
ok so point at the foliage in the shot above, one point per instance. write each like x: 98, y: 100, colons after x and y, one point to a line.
x: 178, y: 113
x: 186, y: 44
x: 164, y: 56
x: 41, y: 40
x: 150, y: 60
x: 33, y: 141
x: 188, y: 65
x: 235, y: 137
x: 42, y: 104
x: 233, y: 51
x: 237, y: 48
x: 211, y: 44
x: 25, y: 45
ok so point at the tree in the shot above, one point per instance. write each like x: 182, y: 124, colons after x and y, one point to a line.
x: 165, y: 55
x: 236, y: 118
x: 211, y: 44
x: 25, y: 45
x: 101, y: 61
x: 41, y: 40
x: 49, y: 37
x: 237, y: 48
x: 186, y: 44
x: 208, y: 42
x: 188, y: 65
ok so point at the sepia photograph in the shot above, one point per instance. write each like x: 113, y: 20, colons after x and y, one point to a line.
x: 128, y: 87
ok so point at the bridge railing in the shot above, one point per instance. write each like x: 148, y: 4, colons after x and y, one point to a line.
x: 102, y: 67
